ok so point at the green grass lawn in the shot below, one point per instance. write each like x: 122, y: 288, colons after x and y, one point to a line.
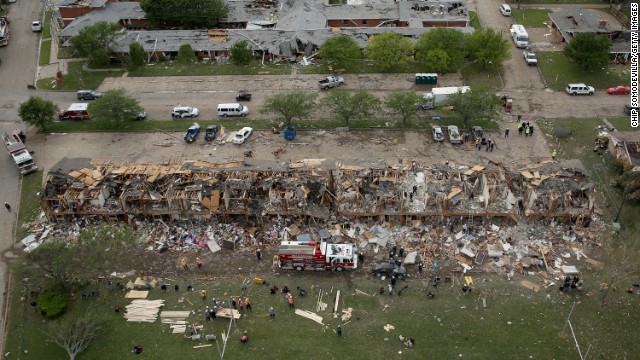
x: 475, y: 77
x: 45, y: 52
x: 46, y: 28
x: 558, y: 71
x: 78, y: 79
x: 361, y: 67
x: 514, y: 3
x: 517, y: 323
x: 474, y: 21
x: 622, y: 123
x: 29, y: 204
x: 201, y: 69
x: 531, y: 18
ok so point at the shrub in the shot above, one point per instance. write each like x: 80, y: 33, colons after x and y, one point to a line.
x: 53, y: 302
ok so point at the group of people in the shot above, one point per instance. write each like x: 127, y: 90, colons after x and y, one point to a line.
x: 526, y: 128
x: 487, y: 143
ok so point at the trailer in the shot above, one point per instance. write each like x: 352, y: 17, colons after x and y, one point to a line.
x: 311, y: 255
x: 440, y: 95
x: 19, y: 153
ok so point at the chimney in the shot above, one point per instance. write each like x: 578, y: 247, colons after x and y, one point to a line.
x: 602, y: 23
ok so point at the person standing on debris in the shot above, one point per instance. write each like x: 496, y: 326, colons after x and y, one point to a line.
x: 247, y: 303
x: 258, y: 254
x: 272, y: 312
x: 478, y: 144
x: 7, y: 206
x: 401, y: 253
x: 361, y: 258
x: 491, y: 144
x: 203, y: 294
x: 199, y: 263
x: 420, y: 268
x: 554, y: 154
x: 465, y: 288
x: 183, y: 262
x: 339, y: 330
x: 506, y: 133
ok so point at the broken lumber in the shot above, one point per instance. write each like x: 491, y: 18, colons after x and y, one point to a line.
x: 309, y: 315
x: 335, y: 307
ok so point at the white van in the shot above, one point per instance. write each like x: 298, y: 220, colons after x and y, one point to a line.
x: 505, y: 10
x: 519, y: 35
x: 233, y: 109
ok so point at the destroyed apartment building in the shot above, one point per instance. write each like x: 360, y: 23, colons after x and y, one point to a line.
x: 318, y: 189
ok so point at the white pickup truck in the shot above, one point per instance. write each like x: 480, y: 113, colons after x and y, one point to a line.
x: 530, y: 58
x: 330, y: 82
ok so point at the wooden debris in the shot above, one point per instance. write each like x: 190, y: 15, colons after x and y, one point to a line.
x: 227, y: 313
x: 529, y: 285
x: 361, y: 292
x: 309, y: 315
x: 335, y: 307
x: 143, y: 310
x: 202, y: 346
x: 346, y: 314
x: 388, y: 327
x: 136, y: 294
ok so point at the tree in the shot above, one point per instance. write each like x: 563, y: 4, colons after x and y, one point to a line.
x: 476, y: 104
x: 441, y: 50
x: 137, y: 55
x: 38, y: 112
x: 403, y: 104
x: 590, y: 51
x: 389, y: 50
x: 51, y: 259
x: 75, y: 335
x: 488, y: 48
x: 340, y: 51
x: 95, y: 41
x: 346, y: 106
x: 114, y: 106
x: 241, y: 53
x: 291, y: 105
x: 186, y: 55
x: 190, y: 14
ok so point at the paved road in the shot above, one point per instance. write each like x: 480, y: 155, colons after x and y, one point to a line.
x: 19, y: 60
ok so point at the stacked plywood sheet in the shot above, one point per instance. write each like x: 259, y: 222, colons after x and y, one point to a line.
x: 176, y: 320
x: 143, y: 310
x: 227, y: 313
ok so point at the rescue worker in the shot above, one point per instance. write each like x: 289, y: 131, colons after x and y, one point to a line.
x: 339, y: 330
x: 554, y: 154
x: 247, y: 303
x: 183, y: 262
x: 203, y: 294
x: 199, y: 263
x: 290, y: 300
x: 272, y: 312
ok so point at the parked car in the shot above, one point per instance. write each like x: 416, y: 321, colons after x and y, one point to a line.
x: 619, y: 90
x: 579, y: 89
x: 505, y: 10
x: 210, y: 132
x: 184, y: 111
x: 627, y: 109
x: 88, y: 94
x: 389, y: 269
x: 36, y: 26
x: 478, y: 133
x: 436, y: 132
x: 139, y: 115
x: 454, y: 134
x: 242, y: 135
x: 192, y: 133
x: 530, y: 58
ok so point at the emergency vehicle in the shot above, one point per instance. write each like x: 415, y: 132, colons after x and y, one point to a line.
x: 19, y: 153
x: 310, y: 255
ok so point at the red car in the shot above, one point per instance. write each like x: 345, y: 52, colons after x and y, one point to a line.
x: 619, y: 90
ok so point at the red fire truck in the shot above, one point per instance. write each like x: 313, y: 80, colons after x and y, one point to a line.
x: 310, y: 255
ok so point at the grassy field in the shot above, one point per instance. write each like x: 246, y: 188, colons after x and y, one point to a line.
x: 202, y: 69
x: 45, y: 44
x: 78, y: 79
x: 531, y: 18
x: 475, y: 77
x: 517, y: 323
x: 29, y: 203
x: 474, y: 21
x: 558, y: 71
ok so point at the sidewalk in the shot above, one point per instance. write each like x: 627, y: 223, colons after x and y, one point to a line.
x: 55, y: 64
